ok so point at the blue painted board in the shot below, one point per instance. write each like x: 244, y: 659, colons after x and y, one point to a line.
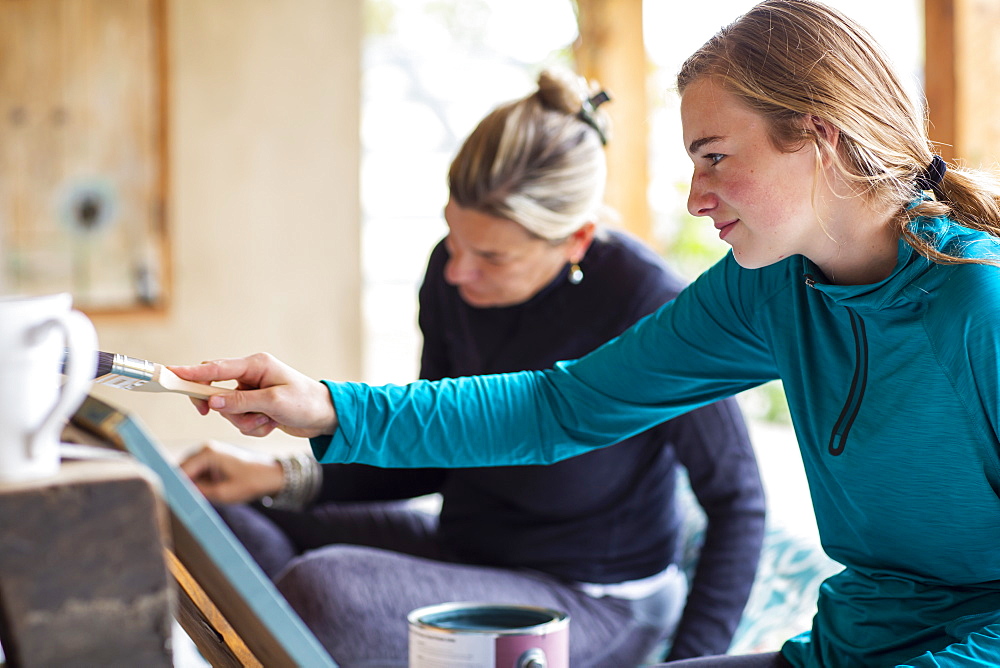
x: 228, y: 555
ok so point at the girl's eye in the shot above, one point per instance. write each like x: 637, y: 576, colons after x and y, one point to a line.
x: 714, y: 158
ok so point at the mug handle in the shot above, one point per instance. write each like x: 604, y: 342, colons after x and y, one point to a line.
x: 81, y: 363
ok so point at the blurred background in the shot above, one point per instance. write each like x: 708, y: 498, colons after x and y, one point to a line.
x: 212, y: 179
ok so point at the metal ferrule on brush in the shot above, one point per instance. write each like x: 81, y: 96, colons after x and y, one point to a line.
x: 125, y: 372
x: 123, y: 365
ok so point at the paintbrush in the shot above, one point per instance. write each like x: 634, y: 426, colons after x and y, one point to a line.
x: 129, y: 373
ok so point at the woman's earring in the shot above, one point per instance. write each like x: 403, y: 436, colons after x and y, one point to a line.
x: 575, y: 274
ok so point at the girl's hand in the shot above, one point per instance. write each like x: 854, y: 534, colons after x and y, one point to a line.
x: 269, y: 395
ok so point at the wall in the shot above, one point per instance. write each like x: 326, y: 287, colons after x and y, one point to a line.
x: 263, y: 205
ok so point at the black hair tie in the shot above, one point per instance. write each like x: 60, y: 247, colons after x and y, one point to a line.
x: 930, y: 178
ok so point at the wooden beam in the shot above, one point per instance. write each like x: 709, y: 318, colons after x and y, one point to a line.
x: 940, y: 74
x: 610, y: 49
x: 962, y: 62
x: 977, y: 136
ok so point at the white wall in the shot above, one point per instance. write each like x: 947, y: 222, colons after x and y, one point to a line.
x: 263, y: 204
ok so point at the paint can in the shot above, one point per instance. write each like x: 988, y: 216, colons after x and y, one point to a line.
x: 488, y: 635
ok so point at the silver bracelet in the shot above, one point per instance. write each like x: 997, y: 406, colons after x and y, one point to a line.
x: 303, y: 478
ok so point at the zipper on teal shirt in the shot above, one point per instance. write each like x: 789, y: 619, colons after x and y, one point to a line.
x: 838, y: 440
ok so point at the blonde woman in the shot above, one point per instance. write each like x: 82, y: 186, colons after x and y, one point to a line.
x: 526, y: 277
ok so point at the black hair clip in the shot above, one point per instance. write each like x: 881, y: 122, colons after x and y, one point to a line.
x: 586, y: 113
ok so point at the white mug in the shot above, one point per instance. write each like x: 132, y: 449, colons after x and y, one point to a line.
x: 38, y: 335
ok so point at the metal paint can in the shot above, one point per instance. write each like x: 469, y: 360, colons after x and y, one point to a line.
x: 488, y: 635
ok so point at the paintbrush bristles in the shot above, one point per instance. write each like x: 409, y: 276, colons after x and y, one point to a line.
x: 104, y: 363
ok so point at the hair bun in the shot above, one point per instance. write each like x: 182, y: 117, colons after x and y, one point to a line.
x: 562, y: 89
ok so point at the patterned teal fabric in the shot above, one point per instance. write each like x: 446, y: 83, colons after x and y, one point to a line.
x: 783, y: 598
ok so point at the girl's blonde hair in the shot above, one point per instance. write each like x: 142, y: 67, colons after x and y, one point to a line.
x: 794, y: 59
x: 538, y: 161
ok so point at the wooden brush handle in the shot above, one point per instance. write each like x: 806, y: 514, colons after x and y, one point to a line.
x: 165, y: 380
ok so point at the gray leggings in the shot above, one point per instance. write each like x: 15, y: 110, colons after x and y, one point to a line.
x: 354, y: 571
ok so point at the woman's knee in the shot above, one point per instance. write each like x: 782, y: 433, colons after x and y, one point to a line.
x: 338, y: 594
x: 336, y: 577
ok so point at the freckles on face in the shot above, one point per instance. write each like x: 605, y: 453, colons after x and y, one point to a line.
x: 758, y: 196
x: 770, y: 223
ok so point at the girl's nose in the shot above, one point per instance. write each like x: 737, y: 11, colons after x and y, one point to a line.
x: 701, y: 201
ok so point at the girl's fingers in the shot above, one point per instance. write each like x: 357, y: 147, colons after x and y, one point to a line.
x: 215, y: 370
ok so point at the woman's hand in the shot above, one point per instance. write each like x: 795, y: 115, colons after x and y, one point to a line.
x: 269, y: 395
x: 227, y: 474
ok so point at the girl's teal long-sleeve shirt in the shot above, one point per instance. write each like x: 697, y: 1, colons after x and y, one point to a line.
x: 894, y: 392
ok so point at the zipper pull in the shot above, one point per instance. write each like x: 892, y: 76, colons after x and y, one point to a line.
x: 810, y: 281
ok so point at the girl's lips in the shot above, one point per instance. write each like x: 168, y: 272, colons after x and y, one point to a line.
x: 725, y: 228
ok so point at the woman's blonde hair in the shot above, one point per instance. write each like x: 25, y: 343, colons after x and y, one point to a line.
x: 538, y: 161
x: 794, y: 59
